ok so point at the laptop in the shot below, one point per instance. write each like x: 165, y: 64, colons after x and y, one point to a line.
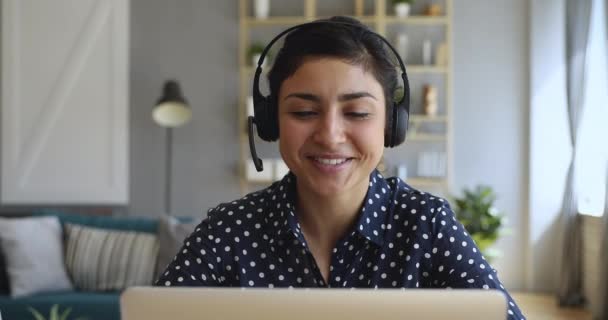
x: 157, y: 303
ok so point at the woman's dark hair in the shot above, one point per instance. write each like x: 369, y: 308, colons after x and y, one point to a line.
x: 347, y: 39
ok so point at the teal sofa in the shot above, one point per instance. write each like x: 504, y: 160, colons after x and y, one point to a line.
x: 89, y: 305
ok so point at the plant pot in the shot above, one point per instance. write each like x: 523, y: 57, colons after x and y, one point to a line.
x: 402, y: 10
x: 261, y: 9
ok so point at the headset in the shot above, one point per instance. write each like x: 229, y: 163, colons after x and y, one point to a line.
x: 265, y: 110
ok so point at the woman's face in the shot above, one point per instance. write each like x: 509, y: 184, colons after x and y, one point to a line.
x: 331, y: 125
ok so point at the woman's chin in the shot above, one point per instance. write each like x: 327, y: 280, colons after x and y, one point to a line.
x: 325, y: 186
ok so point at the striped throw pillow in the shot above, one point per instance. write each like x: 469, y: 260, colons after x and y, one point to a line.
x: 108, y: 260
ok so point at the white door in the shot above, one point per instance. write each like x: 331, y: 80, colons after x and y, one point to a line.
x: 65, y: 102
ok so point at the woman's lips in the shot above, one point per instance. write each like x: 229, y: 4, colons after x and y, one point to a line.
x: 332, y: 164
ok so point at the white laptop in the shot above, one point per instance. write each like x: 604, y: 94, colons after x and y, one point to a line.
x: 157, y: 303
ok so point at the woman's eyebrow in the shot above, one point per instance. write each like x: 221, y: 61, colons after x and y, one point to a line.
x: 341, y: 98
x: 355, y: 95
x: 303, y: 96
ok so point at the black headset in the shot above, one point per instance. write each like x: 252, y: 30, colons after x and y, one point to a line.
x: 265, y: 109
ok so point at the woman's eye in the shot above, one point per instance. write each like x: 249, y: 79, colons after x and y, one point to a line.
x: 303, y: 114
x: 358, y: 115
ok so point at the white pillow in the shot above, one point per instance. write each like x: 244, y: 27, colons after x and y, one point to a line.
x: 33, y: 253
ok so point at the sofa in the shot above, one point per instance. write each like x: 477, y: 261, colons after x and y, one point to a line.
x: 91, y: 288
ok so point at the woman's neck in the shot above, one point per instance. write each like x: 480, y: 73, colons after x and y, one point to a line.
x: 328, y: 218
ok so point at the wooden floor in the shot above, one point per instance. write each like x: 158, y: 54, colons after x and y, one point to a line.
x: 544, y: 307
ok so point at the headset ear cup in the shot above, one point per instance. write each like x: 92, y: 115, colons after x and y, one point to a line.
x: 266, y: 119
x: 273, y: 120
x: 260, y: 115
x: 401, y: 124
x: 388, y: 129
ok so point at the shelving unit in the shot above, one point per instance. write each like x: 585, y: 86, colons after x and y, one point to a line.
x: 381, y: 21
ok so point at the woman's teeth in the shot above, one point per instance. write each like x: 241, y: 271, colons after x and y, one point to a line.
x: 333, y: 162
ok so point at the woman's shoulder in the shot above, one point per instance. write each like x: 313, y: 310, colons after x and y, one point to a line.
x: 408, y: 200
x: 247, y: 210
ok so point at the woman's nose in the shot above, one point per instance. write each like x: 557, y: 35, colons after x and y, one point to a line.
x: 329, y: 131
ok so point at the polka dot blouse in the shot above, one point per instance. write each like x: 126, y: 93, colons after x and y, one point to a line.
x: 404, y: 238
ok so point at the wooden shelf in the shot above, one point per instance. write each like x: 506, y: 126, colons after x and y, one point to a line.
x: 422, y: 20
x: 276, y: 21
x: 423, y: 118
x: 411, y: 69
x: 423, y: 181
x: 423, y: 137
x: 289, y: 20
x: 425, y: 69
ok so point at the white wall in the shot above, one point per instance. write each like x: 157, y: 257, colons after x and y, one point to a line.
x: 491, y: 115
x: 549, y: 142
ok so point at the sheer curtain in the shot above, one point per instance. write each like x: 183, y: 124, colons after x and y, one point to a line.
x: 602, y: 313
x: 578, y: 13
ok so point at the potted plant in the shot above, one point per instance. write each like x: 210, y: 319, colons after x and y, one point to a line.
x: 476, y: 211
x: 254, y: 53
x: 54, y: 314
x: 402, y: 7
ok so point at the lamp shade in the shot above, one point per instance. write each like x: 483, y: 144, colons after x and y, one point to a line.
x: 171, y: 109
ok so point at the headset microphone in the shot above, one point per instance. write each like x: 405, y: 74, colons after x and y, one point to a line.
x: 259, y: 166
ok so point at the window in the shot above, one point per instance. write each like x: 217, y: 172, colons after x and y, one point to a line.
x: 592, y: 153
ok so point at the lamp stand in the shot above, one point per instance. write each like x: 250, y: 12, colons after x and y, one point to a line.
x: 168, y: 168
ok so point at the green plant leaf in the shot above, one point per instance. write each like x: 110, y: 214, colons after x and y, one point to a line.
x: 54, y: 315
x: 477, y: 213
x: 36, y: 314
x: 65, y: 314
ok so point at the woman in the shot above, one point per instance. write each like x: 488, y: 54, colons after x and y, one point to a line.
x: 334, y: 220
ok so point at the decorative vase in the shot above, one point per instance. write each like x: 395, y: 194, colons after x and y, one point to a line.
x: 441, y: 57
x: 433, y: 10
x: 402, y: 44
x: 430, y: 100
x: 261, y: 8
x: 402, y: 10
x: 427, y: 56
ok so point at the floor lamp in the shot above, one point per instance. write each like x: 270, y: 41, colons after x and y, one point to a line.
x: 171, y: 111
